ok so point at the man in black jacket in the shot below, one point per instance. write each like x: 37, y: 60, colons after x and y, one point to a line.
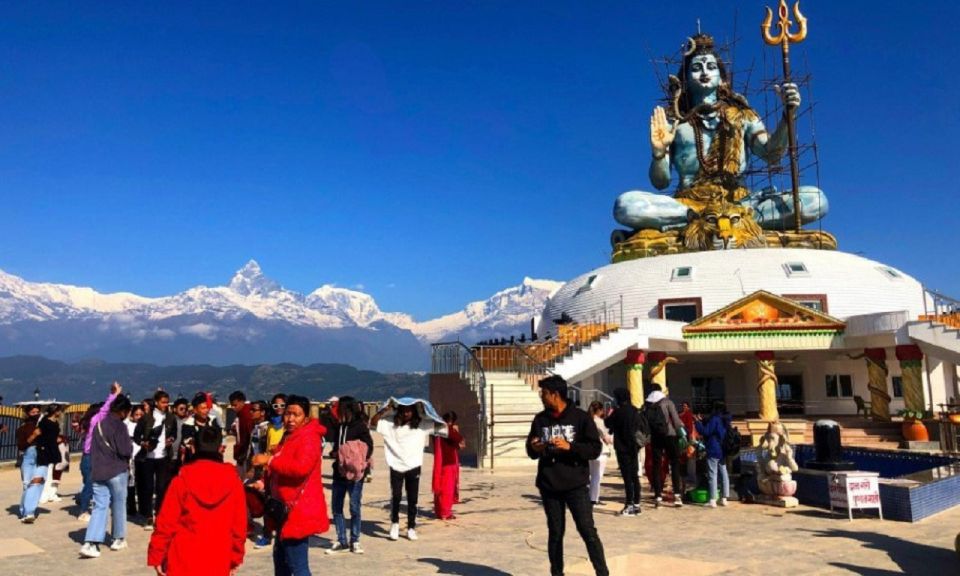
x: 155, y: 433
x: 623, y: 423
x: 565, y: 439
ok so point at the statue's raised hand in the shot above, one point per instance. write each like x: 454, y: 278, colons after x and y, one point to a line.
x: 790, y: 95
x: 662, y: 132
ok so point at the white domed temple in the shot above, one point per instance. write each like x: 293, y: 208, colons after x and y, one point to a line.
x: 719, y: 293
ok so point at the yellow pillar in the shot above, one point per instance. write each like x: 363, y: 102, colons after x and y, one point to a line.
x: 877, y: 383
x: 911, y: 370
x: 658, y: 369
x: 634, y: 362
x: 767, y: 386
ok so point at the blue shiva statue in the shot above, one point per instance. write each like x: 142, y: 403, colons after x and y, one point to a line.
x: 706, y: 137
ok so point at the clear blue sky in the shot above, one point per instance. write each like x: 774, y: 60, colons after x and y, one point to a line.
x: 433, y: 152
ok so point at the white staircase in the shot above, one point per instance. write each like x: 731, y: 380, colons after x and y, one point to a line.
x: 943, y: 338
x: 596, y: 356
x: 612, y: 347
x: 513, y: 409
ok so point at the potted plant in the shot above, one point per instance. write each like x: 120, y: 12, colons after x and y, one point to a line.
x: 912, y: 428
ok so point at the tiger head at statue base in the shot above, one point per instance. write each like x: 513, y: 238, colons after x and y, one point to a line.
x: 722, y: 226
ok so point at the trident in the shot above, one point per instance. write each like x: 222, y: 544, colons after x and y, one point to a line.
x: 784, y: 39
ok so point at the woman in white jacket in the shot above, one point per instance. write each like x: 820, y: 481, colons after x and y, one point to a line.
x: 597, y: 466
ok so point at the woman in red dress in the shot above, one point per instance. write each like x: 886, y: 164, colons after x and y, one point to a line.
x: 446, y: 468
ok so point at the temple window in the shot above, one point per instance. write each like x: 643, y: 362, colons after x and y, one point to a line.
x: 890, y: 273
x: 588, y: 285
x: 816, y: 302
x: 796, y: 269
x: 839, y: 386
x: 680, y: 309
x: 682, y: 274
x: 897, y: 382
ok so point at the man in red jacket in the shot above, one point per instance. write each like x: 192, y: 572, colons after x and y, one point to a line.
x: 204, y: 515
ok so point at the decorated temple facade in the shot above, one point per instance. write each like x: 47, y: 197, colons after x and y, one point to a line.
x: 769, y: 331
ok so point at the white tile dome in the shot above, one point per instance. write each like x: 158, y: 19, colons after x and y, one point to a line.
x: 853, y: 285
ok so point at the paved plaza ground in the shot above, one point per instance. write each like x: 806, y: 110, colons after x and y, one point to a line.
x: 500, y: 530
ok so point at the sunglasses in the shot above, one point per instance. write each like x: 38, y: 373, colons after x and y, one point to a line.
x: 279, y: 406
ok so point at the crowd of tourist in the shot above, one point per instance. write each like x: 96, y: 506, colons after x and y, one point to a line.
x: 161, y: 465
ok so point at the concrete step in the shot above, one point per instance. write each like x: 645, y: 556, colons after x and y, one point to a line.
x: 503, y: 429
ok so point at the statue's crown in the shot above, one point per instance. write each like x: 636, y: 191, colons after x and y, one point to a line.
x: 699, y: 43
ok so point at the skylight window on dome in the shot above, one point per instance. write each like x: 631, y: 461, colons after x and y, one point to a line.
x: 588, y: 285
x: 890, y: 273
x: 682, y: 273
x: 796, y: 269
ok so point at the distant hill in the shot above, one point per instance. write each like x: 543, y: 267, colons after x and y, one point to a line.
x: 89, y: 380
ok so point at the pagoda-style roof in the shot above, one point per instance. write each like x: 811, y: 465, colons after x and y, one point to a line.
x: 763, y: 311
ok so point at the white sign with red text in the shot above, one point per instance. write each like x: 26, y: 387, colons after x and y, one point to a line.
x: 855, y: 490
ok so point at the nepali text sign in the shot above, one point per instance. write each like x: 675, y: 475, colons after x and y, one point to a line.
x: 855, y: 490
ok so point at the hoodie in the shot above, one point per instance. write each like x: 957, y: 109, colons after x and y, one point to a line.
x: 669, y: 411
x: 202, y: 526
x: 567, y: 470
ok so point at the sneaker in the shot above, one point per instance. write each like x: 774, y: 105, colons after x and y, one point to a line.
x: 658, y: 501
x: 29, y: 519
x: 394, y: 531
x: 723, y: 501
x: 712, y: 504
x: 336, y: 548
x: 628, y: 511
x: 90, y: 550
x: 356, y: 548
x: 263, y: 542
x: 636, y: 509
x: 678, y: 503
x: 412, y: 534
x: 118, y: 544
x: 85, y: 517
x: 148, y: 525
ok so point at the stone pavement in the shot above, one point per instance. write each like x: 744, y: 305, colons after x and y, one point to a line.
x: 500, y: 530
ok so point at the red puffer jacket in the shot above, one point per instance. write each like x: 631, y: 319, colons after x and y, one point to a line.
x: 297, y: 465
x: 202, y: 526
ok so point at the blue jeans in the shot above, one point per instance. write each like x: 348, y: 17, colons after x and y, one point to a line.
x: 290, y: 557
x: 111, y: 494
x: 86, y: 493
x: 31, y: 491
x: 339, y: 490
x: 713, y: 464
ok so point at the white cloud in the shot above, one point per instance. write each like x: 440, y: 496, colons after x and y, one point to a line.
x: 201, y: 330
x: 358, y: 286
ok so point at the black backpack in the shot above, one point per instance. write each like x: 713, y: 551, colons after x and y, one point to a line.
x: 731, y: 441
x: 656, y: 420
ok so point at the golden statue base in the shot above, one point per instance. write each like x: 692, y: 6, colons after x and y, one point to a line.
x: 647, y: 243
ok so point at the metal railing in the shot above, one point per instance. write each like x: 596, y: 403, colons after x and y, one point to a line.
x: 11, y: 417
x: 458, y: 358
x: 568, y: 341
x: 943, y: 310
x: 532, y: 371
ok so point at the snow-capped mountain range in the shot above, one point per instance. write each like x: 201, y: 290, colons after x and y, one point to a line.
x: 252, y: 319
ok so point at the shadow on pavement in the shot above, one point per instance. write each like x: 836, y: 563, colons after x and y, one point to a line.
x: 910, y: 557
x: 462, y: 568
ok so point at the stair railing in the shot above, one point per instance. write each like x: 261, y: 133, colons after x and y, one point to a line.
x: 532, y: 371
x: 458, y: 358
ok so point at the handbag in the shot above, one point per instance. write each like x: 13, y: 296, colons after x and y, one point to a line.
x: 277, y: 510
